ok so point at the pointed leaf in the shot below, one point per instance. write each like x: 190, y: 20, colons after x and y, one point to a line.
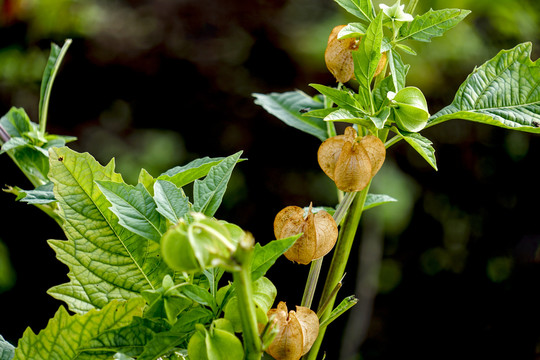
x: 341, y: 97
x: 288, y: 108
x: 41, y: 195
x: 374, y: 200
x: 419, y: 143
x: 363, y: 9
x: 398, y: 70
x: 265, y: 256
x: 431, y: 24
x: 196, y: 169
x: 135, y: 209
x: 208, y: 193
x: 171, y: 201
x: 65, y: 336
x: 504, y: 91
x: 106, y: 261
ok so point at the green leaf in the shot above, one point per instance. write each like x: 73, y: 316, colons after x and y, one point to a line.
x: 196, y: 169
x: 135, y: 209
x: 504, y: 92
x: 419, y: 143
x: 343, y: 306
x: 171, y: 201
x: 53, y: 64
x: 147, y: 181
x: 341, y: 97
x: 41, y: 195
x: 265, y: 256
x: 398, y: 70
x: 106, y: 261
x: 66, y: 336
x: 367, y: 57
x: 7, y: 351
x: 374, y: 200
x: 431, y: 24
x: 128, y: 340
x: 167, y: 341
x: 363, y: 9
x: 16, y: 122
x: 343, y: 115
x: 352, y: 30
x: 288, y: 106
x: 208, y: 193
x: 198, y: 294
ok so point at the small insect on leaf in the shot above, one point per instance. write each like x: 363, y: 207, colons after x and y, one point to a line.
x: 304, y: 110
x: 61, y: 158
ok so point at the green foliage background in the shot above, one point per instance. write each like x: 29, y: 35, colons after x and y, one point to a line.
x: 158, y: 83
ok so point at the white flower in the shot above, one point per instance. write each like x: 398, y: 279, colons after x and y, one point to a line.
x: 395, y: 12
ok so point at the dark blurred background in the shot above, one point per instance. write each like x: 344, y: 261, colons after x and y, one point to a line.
x: 449, y: 271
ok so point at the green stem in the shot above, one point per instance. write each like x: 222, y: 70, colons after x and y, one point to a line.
x: 315, y: 269
x: 339, y: 262
x: 244, y: 292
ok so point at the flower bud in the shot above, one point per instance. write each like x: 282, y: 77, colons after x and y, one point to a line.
x: 319, y: 233
x: 297, y: 331
x: 351, y: 161
x: 338, y: 57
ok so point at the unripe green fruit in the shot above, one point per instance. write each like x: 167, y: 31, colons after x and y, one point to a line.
x: 410, y: 111
x: 177, y: 251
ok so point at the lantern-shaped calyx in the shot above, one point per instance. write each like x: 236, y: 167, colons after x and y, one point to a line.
x: 297, y: 331
x: 319, y: 233
x: 351, y: 161
x: 338, y: 56
x: 409, y: 109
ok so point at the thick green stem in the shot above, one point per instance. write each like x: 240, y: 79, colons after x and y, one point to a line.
x: 246, y: 307
x: 339, y: 262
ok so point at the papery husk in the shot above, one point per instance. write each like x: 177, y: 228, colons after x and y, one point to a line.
x: 376, y: 151
x: 289, y: 341
x: 297, y: 332
x: 353, y: 168
x: 330, y: 149
x: 338, y: 57
x: 319, y: 233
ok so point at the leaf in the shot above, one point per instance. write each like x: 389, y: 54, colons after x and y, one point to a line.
x: 49, y: 74
x: 7, y: 351
x: 135, y: 209
x: 419, y: 143
x: 342, y: 97
x: 13, y: 143
x: 366, y: 58
x: 129, y: 340
x: 198, y: 294
x: 16, y: 122
x: 65, y: 336
x: 106, y: 261
x: 265, y: 256
x: 360, y: 8
x: 196, y: 169
x: 352, y: 30
x: 431, y: 24
x: 374, y: 200
x: 171, y: 201
x: 343, y: 115
x: 167, y: 341
x: 287, y: 107
x: 504, y: 92
x: 398, y: 70
x: 41, y: 195
x: 208, y: 193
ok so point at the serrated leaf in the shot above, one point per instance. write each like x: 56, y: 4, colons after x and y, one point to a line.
x: 196, y: 169
x: 171, y: 201
x: 288, y: 108
x: 65, y: 336
x: 135, y: 209
x: 265, y: 256
x: 504, y: 92
x: 374, y: 200
x: 208, y: 193
x: 419, y: 143
x: 106, y: 261
x: 431, y: 24
x: 363, y: 9
x: 7, y: 351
